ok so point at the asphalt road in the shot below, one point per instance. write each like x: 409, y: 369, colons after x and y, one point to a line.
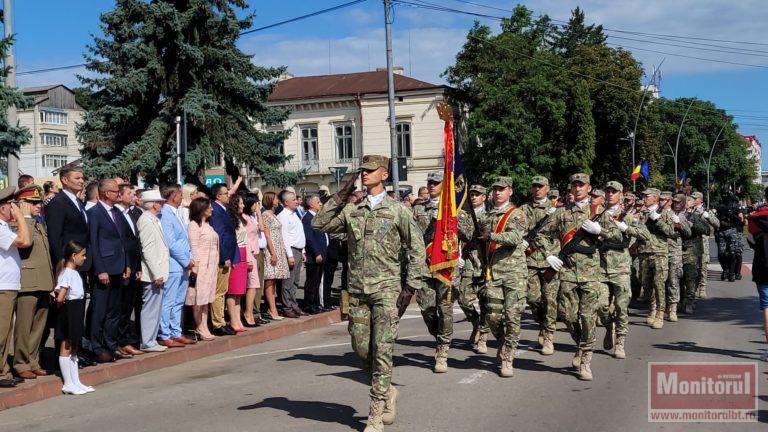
x: 312, y: 382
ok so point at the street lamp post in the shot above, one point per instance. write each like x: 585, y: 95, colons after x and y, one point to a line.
x: 677, y: 141
x: 709, y: 161
x: 656, y: 71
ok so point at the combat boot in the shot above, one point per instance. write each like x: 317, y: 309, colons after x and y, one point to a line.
x: 375, y: 422
x: 609, y: 336
x: 441, y: 358
x: 702, y: 294
x: 651, y: 315
x: 390, y: 407
x: 585, y: 371
x: 673, y: 312
x: 548, y: 347
x: 541, y: 338
x: 576, y: 361
x: 507, y: 370
x: 619, y: 352
x: 658, y: 323
x: 482, y: 343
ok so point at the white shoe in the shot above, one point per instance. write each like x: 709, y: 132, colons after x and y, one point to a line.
x: 153, y: 348
x: 87, y: 388
x: 73, y: 391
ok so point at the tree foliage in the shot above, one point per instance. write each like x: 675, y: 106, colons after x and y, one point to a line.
x: 12, y: 137
x: 554, y: 100
x: 159, y: 59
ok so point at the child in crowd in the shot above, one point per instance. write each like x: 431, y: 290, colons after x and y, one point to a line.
x: 70, y: 299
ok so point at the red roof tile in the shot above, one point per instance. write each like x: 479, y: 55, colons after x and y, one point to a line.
x: 321, y: 86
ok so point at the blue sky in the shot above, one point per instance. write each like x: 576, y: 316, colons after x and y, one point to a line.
x: 53, y: 33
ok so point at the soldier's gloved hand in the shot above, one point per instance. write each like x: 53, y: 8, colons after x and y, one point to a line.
x: 348, y: 188
x: 524, y: 245
x: 555, y: 262
x: 461, y: 262
x: 676, y: 219
x: 591, y: 227
x: 705, y: 214
x: 484, y: 236
x: 620, y: 225
x: 551, y: 210
x: 654, y: 215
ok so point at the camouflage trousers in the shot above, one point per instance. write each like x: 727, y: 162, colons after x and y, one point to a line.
x: 373, y: 323
x: 691, y: 281
x: 542, y: 298
x: 579, y: 303
x: 436, y: 307
x: 505, y: 302
x: 614, y: 302
x: 468, y: 295
x: 653, y: 277
x: 673, y: 278
x: 703, y: 267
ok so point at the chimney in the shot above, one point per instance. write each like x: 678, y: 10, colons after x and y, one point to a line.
x: 397, y: 70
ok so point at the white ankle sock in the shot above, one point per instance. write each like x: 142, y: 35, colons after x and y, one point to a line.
x: 74, y: 373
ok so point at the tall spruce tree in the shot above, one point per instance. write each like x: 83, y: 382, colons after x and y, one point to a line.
x: 12, y: 137
x: 160, y: 58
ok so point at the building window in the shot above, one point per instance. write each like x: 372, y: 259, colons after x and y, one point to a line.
x: 309, y: 146
x: 54, y: 161
x: 53, y: 117
x: 403, y: 139
x: 53, y: 140
x: 345, y: 150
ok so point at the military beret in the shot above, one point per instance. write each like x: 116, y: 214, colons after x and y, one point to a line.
x: 479, y: 189
x: 540, y: 180
x: 372, y: 162
x: 554, y: 193
x: 504, y: 182
x: 597, y: 193
x: 435, y: 177
x: 697, y: 195
x: 31, y: 193
x: 7, y: 194
x: 613, y: 184
x: 678, y: 197
x: 665, y: 195
x: 652, y: 191
x: 580, y: 177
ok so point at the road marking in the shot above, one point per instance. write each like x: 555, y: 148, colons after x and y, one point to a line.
x: 472, y: 378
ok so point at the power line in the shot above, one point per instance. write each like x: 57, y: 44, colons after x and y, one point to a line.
x: 729, y: 51
x: 288, y: 21
x: 690, y: 57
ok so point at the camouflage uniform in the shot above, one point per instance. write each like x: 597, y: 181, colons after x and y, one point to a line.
x: 692, y: 252
x: 472, y: 287
x: 654, y: 263
x: 541, y: 295
x: 375, y: 238
x: 675, y: 244
x: 713, y: 224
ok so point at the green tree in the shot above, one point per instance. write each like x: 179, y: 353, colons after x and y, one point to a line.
x: 159, y: 59
x: 12, y: 137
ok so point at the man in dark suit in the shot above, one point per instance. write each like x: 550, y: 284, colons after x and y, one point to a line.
x: 66, y: 218
x: 316, y: 250
x: 127, y: 335
x: 229, y: 255
x: 111, y: 265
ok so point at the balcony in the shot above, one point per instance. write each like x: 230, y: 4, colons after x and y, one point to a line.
x: 320, y: 166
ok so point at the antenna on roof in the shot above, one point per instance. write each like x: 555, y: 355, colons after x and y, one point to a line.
x: 410, y: 67
x: 329, y: 56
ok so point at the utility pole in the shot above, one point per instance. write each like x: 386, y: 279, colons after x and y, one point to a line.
x: 709, y: 161
x: 677, y: 142
x: 178, y: 150
x: 394, y: 164
x: 10, y: 81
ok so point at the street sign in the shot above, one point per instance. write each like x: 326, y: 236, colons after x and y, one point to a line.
x: 212, y: 179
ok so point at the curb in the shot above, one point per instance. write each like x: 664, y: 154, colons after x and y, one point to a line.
x: 48, y: 387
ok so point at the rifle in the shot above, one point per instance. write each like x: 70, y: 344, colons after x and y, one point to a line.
x: 530, y: 237
x: 572, y: 247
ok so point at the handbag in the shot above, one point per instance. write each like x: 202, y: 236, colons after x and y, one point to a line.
x: 191, y: 296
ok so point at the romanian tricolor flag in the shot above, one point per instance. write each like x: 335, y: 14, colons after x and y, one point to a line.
x: 444, y: 251
x: 635, y: 173
x: 642, y: 169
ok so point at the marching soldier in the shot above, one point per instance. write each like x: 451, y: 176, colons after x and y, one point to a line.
x: 435, y: 301
x: 580, y: 227
x: 654, y: 261
x: 616, y: 263
x: 472, y: 289
x: 542, y: 294
x: 506, y: 271
x: 553, y: 196
x: 376, y: 229
x: 693, y: 249
x: 676, y: 204
x: 714, y: 224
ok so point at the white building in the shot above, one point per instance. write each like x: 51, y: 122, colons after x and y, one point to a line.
x: 51, y: 120
x: 336, y: 119
x: 755, y: 153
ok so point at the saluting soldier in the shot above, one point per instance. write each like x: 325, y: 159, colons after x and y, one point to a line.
x: 580, y: 227
x: 542, y: 293
x: 714, y: 223
x: 654, y: 255
x: 693, y: 249
x: 506, y: 271
x: 436, y: 300
x: 677, y: 204
x: 376, y: 229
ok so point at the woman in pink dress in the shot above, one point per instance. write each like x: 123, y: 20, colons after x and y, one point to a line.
x: 204, y: 243
x: 238, y: 277
x: 253, y: 289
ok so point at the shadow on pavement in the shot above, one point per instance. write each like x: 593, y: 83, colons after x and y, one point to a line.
x: 693, y: 347
x: 326, y: 412
x: 742, y: 311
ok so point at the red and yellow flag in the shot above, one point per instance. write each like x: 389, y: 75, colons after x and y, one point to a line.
x: 444, y: 251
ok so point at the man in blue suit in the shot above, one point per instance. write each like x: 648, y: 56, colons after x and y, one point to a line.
x: 316, y: 251
x: 110, y: 265
x: 175, y: 289
x: 229, y: 255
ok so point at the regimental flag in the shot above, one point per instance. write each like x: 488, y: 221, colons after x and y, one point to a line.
x: 712, y: 185
x: 443, y: 252
x: 681, y: 178
x: 460, y: 182
x: 642, y: 169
